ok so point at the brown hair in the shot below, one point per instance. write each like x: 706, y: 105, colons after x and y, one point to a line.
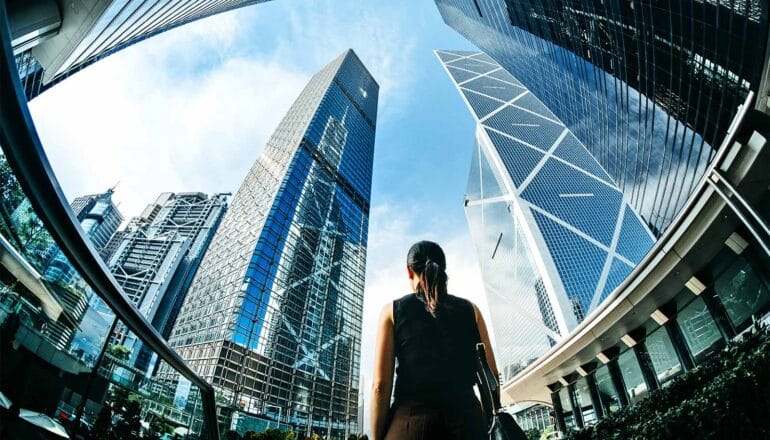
x: 427, y: 259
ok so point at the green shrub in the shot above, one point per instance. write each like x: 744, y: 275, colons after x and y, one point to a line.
x: 727, y: 396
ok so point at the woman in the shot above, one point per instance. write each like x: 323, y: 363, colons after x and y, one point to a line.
x: 433, y: 335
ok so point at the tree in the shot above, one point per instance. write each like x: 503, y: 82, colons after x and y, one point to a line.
x: 119, y: 352
x: 532, y: 434
x: 232, y: 435
x: 103, y: 424
x: 130, y: 426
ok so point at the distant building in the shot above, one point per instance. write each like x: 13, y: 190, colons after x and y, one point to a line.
x: 553, y: 232
x: 156, y: 257
x: 99, y: 218
x: 273, y: 317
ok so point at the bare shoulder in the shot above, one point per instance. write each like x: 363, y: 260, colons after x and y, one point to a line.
x: 386, y: 313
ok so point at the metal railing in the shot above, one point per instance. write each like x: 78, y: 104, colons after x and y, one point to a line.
x: 29, y: 163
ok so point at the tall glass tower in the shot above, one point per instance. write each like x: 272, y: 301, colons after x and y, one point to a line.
x: 554, y: 234
x: 273, y: 316
x: 64, y: 37
x: 650, y: 88
x: 99, y: 218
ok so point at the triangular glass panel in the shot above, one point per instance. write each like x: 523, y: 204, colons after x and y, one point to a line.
x: 578, y: 262
x: 461, y: 75
x: 525, y: 126
x: 480, y: 104
x: 494, y: 88
x: 518, y: 158
x: 473, y: 65
x: 531, y: 103
x: 583, y: 202
x: 473, y: 189
x: 571, y: 150
x: 481, y: 56
x: 634, y: 241
x: 503, y: 74
x: 618, y: 272
x: 490, y: 184
x: 446, y: 57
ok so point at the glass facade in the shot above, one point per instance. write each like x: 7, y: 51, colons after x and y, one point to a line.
x: 553, y: 233
x: 99, y: 218
x: 57, y: 358
x: 607, y: 393
x: 273, y: 315
x: 738, y: 282
x: 663, y: 356
x: 584, y: 402
x: 90, y: 32
x: 650, y: 88
x: 635, y: 387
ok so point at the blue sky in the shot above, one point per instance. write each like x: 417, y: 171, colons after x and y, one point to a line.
x: 191, y: 109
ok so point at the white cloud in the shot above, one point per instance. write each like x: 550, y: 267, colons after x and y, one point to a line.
x: 156, y: 120
x: 377, y: 35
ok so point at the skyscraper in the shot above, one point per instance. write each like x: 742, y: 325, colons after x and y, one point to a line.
x: 78, y: 34
x: 553, y: 232
x: 99, y: 218
x: 158, y: 255
x: 649, y: 88
x: 273, y: 317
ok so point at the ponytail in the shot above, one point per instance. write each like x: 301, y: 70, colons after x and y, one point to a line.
x: 433, y: 285
x: 426, y: 259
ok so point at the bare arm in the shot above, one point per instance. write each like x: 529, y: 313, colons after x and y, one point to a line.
x: 485, y: 339
x: 384, y: 360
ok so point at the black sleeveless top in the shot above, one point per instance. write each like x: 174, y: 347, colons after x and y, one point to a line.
x: 435, y: 355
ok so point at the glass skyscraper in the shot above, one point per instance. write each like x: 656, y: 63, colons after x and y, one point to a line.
x: 85, y: 32
x: 554, y: 234
x: 273, y: 316
x: 650, y: 88
x: 99, y: 218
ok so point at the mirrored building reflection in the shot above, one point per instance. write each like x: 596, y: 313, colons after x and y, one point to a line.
x: 650, y: 88
x: 554, y: 234
x: 53, y: 39
x: 273, y: 316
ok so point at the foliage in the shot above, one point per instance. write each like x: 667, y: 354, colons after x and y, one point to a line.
x: 727, y: 396
x: 232, y: 435
x: 130, y: 425
x: 119, y: 352
x: 548, y: 431
x: 24, y: 229
x: 532, y: 434
x: 160, y: 426
x: 102, y: 425
x: 269, y: 434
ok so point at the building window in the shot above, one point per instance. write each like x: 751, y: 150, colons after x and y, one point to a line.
x: 663, y: 356
x: 742, y: 292
x: 583, y: 396
x: 636, y: 388
x: 699, y: 329
x: 566, y: 407
x: 607, y: 393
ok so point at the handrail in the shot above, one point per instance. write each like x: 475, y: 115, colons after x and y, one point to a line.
x: 28, y: 160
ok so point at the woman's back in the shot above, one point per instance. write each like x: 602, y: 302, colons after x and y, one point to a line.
x: 435, y: 354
